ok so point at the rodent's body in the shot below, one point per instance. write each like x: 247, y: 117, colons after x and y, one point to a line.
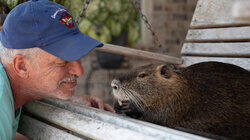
x: 210, y: 97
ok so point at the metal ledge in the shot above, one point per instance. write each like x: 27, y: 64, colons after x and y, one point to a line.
x: 97, y: 124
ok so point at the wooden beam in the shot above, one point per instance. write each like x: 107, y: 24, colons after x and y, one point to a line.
x: 242, y: 62
x: 216, y: 13
x: 238, y: 49
x: 139, y: 53
x: 241, y: 11
x: 235, y: 34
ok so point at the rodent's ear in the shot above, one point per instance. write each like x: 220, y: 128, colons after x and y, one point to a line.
x: 174, y: 68
x: 164, y: 71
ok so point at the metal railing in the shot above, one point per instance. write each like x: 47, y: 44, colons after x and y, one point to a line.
x: 90, y: 123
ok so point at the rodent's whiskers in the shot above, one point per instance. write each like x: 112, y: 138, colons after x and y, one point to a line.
x: 136, y: 98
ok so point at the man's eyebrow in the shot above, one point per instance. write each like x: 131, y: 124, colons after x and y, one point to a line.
x: 57, y: 59
x: 53, y: 61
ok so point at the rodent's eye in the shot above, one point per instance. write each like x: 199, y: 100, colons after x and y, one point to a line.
x: 142, y: 75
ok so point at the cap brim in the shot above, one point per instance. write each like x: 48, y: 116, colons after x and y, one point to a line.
x: 73, y: 47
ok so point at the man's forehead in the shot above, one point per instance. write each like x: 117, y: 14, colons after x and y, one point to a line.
x: 49, y: 57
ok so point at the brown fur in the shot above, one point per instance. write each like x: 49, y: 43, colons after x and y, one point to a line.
x: 210, y: 97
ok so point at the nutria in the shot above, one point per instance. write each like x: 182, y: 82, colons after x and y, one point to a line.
x: 210, y: 97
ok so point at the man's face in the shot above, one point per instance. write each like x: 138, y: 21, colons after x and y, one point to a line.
x: 51, y: 76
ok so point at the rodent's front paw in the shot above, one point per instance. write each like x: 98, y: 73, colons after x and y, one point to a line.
x: 127, y: 108
x: 122, y: 109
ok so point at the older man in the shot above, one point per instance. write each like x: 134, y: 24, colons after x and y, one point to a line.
x: 40, y: 50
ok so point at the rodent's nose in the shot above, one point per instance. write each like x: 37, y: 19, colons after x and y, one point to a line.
x: 115, y: 84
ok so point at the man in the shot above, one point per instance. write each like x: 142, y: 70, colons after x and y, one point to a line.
x: 40, y: 50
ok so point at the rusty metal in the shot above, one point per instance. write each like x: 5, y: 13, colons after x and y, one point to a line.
x: 144, y: 18
x: 84, y: 8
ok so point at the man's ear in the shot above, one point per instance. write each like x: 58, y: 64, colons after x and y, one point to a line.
x: 19, y: 64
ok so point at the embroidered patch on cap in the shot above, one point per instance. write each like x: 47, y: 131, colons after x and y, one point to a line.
x: 67, y: 20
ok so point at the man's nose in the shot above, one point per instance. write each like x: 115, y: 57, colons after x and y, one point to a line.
x: 76, y: 68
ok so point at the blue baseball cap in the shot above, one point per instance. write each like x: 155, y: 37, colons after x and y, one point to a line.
x: 47, y: 25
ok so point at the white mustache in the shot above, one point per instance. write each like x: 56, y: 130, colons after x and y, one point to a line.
x: 72, y: 78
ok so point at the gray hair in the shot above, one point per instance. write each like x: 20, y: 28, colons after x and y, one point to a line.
x: 6, y: 54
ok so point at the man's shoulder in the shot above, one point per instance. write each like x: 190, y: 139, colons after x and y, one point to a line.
x: 6, y: 130
x: 6, y: 107
x: 4, y: 83
x: 6, y: 98
x: 3, y: 75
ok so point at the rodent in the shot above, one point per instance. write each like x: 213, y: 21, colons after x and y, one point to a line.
x: 209, y: 97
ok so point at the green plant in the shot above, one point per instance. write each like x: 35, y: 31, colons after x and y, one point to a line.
x: 103, y: 20
x: 107, y: 19
x: 9, y: 3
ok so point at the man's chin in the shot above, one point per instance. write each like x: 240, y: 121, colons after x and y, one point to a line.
x: 65, y: 95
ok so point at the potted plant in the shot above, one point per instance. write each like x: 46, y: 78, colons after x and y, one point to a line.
x: 109, y: 21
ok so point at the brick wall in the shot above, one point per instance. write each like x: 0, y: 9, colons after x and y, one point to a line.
x: 171, y: 19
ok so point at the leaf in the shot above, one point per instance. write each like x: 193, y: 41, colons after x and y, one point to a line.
x: 92, y: 33
x: 74, y: 6
x: 115, y: 27
x: 93, y: 9
x: 114, y: 6
x: 133, y: 34
x: 11, y: 3
x: 84, y: 25
x: 103, y: 15
x: 105, y: 34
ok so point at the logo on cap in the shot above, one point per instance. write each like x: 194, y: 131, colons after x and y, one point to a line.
x: 67, y: 20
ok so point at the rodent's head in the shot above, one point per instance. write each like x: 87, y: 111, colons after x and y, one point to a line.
x: 148, y: 86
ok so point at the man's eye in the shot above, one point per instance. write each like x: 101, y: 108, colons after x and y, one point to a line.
x: 61, y: 64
